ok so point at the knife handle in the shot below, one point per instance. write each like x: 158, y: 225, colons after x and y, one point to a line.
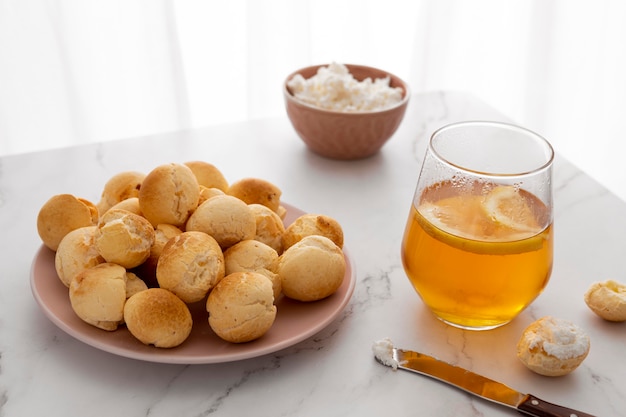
x: 540, y: 408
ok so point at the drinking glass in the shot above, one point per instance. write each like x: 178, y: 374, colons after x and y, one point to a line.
x: 478, y: 243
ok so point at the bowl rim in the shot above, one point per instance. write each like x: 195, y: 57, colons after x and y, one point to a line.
x: 291, y: 97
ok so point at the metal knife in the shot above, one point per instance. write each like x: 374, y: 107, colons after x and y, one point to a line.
x: 478, y: 385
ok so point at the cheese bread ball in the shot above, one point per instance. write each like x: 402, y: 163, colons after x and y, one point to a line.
x: 76, y: 252
x: 130, y: 204
x: 134, y: 284
x: 169, y: 194
x: 98, y: 294
x: 208, y: 175
x: 190, y: 265
x: 241, y: 307
x: 311, y: 269
x: 157, y: 317
x: 256, y: 191
x: 552, y: 346
x: 61, y: 214
x: 269, y: 227
x: 253, y: 256
x: 206, y: 193
x: 120, y: 187
x: 162, y: 234
x: 313, y: 224
x: 226, y: 218
x: 124, y: 238
x: 608, y: 300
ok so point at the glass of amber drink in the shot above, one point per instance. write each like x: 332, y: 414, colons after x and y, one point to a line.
x: 478, y: 244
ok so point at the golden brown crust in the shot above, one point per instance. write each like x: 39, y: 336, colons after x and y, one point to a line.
x: 206, y: 193
x: 552, y: 347
x: 169, y: 194
x: 134, y: 284
x: 311, y: 269
x: 256, y: 191
x: 208, y: 175
x: 76, y: 252
x: 269, y: 227
x: 282, y: 212
x: 124, y: 238
x: 241, y: 307
x: 183, y: 228
x: 61, y: 214
x: 120, y: 187
x: 253, y: 256
x: 98, y: 294
x: 608, y: 300
x: 313, y: 224
x: 226, y: 218
x: 130, y: 204
x: 162, y: 234
x: 190, y: 265
x: 157, y: 317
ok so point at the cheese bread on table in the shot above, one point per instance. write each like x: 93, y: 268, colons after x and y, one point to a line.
x: 553, y: 347
x: 607, y: 299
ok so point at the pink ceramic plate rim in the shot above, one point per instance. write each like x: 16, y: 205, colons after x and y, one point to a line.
x: 294, y: 323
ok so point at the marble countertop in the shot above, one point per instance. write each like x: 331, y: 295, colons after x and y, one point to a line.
x: 44, y: 371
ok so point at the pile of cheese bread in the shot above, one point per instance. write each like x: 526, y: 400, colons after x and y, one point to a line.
x: 156, y: 243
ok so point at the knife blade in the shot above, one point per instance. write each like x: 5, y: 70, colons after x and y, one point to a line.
x: 476, y: 384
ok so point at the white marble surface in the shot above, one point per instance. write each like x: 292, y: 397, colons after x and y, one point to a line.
x: 43, y: 371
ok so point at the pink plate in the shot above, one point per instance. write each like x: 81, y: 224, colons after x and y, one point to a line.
x: 295, y: 321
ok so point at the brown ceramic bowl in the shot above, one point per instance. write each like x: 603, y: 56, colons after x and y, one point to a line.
x: 345, y: 135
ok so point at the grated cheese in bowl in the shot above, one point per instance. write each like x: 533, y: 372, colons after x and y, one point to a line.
x: 335, y: 88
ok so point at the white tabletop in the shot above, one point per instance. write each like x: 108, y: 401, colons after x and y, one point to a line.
x: 44, y: 371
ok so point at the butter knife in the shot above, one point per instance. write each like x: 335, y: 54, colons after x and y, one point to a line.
x: 475, y: 384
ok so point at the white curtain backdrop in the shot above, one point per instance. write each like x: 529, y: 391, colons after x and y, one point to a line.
x: 79, y: 71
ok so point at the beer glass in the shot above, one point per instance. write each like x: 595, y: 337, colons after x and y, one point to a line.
x: 478, y: 243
